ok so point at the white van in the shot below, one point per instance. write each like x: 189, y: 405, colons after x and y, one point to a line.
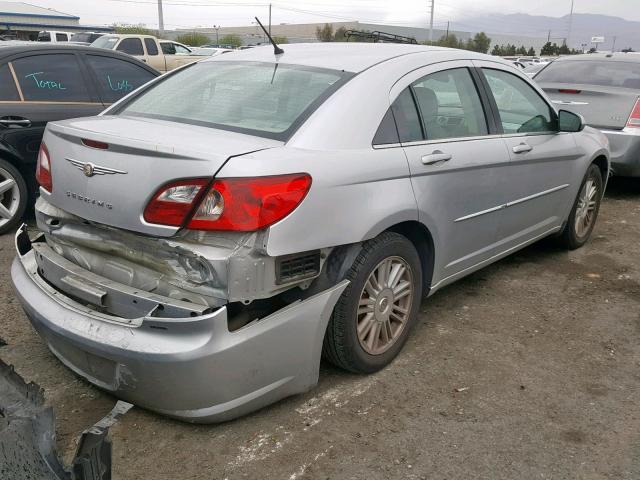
x: 54, y: 36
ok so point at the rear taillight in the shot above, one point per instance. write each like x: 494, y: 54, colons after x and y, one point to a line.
x: 240, y: 204
x: 43, y: 169
x: 569, y: 91
x: 172, y: 204
x: 634, y: 118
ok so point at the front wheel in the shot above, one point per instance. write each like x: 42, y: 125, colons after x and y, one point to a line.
x: 584, y: 213
x: 13, y: 196
x: 372, y: 319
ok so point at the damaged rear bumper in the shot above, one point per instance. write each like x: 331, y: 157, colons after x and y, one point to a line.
x: 192, y: 368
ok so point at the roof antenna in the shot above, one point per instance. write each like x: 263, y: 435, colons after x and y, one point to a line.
x: 276, y: 49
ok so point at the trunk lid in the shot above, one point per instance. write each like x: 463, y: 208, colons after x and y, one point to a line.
x: 142, y: 155
x: 602, y: 107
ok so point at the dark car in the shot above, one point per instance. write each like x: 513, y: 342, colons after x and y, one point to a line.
x: 42, y: 83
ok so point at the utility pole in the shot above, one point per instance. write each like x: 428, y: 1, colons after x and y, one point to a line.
x: 431, y: 22
x: 160, y: 19
x: 549, y: 37
x: 447, y: 37
x: 613, y: 49
x: 570, y: 25
x: 269, y: 19
x: 216, y: 28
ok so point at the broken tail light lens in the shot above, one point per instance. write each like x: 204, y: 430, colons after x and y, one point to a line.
x: 238, y: 204
x: 43, y: 169
x: 247, y: 204
x: 172, y: 204
x: 634, y: 118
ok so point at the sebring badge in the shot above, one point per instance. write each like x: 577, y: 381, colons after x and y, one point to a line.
x: 89, y: 169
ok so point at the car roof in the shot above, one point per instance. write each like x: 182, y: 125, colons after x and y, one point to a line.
x: 347, y: 56
x: 609, y: 57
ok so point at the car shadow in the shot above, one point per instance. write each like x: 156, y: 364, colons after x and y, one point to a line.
x: 623, y: 188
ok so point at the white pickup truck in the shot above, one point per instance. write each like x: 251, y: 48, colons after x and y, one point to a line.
x: 163, y: 55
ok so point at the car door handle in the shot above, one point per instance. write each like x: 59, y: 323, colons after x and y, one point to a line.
x: 17, y: 121
x: 522, y: 148
x: 436, y: 157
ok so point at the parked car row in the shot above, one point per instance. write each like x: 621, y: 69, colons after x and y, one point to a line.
x: 202, y: 242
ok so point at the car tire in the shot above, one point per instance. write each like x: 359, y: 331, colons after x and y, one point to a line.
x: 14, y: 196
x: 584, y: 213
x: 373, y: 317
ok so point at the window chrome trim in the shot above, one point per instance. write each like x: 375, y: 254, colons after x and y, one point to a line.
x: 512, y: 203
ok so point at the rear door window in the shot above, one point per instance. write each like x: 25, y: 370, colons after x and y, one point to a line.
x: 56, y: 78
x: 62, y: 37
x: 152, y: 48
x: 116, y: 77
x: 132, y: 46
x: 8, y: 90
x: 521, y: 108
x: 449, y: 105
x: 407, y: 119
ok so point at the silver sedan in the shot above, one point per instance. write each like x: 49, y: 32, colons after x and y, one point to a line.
x: 605, y: 89
x: 204, y: 241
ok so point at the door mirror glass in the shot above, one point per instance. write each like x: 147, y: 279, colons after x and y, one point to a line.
x: 570, y: 122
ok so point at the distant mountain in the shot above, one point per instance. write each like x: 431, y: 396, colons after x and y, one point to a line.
x: 584, y: 26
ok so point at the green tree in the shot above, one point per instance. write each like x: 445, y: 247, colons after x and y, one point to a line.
x: 497, y: 50
x: 325, y: 34
x: 481, y: 43
x: 521, y: 51
x: 139, y: 29
x: 340, y: 35
x: 232, y: 39
x: 564, y: 50
x: 280, y: 39
x: 531, y: 52
x: 547, y: 49
x: 193, y: 39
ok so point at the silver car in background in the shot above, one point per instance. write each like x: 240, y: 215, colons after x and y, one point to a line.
x: 605, y: 90
x: 203, y: 242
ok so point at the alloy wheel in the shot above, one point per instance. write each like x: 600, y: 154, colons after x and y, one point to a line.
x: 585, y: 212
x: 9, y: 197
x: 385, y: 305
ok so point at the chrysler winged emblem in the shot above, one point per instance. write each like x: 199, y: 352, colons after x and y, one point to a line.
x: 90, y: 169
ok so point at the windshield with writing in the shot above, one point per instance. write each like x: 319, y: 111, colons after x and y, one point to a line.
x: 262, y: 99
x: 105, y: 42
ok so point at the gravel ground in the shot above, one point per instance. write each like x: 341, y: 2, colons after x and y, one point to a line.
x: 527, y: 369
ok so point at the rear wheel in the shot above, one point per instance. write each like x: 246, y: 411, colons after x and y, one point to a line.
x: 373, y: 317
x: 13, y: 196
x: 584, y: 213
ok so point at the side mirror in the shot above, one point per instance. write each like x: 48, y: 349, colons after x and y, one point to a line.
x: 570, y: 122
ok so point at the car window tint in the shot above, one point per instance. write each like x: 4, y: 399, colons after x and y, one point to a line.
x: 152, y: 48
x: 387, y: 132
x: 450, y: 105
x: 520, y: 107
x: 168, y: 48
x: 609, y: 73
x: 61, y: 37
x: 406, y: 116
x: 132, y: 46
x: 117, y: 78
x: 51, y: 78
x: 8, y: 90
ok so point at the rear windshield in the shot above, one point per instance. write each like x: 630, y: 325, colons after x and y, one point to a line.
x: 262, y: 99
x: 592, y: 72
x: 105, y: 42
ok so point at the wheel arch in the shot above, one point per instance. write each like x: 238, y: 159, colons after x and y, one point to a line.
x: 422, y: 239
x: 602, y: 163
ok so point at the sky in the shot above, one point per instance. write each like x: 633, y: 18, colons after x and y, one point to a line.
x: 194, y: 13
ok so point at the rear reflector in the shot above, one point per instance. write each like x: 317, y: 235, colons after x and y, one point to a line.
x: 43, y: 169
x: 570, y: 91
x: 240, y: 204
x: 634, y: 118
x: 94, y: 144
